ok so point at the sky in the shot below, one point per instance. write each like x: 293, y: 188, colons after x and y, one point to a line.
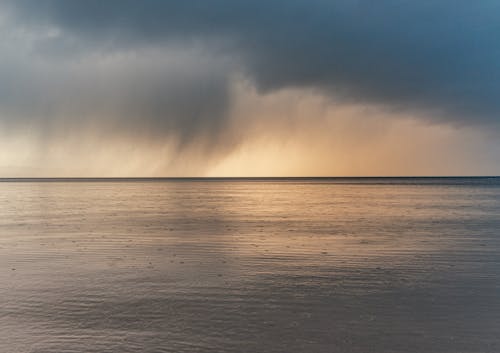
x: 249, y: 88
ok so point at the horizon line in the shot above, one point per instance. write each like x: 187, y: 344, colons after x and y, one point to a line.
x: 7, y: 179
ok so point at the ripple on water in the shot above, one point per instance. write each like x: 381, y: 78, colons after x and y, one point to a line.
x: 274, y: 266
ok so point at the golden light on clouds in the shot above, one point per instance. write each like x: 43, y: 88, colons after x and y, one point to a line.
x: 286, y: 133
x: 301, y: 133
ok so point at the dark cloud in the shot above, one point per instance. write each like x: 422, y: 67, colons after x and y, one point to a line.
x: 438, y: 56
x: 157, y: 94
x: 435, y: 55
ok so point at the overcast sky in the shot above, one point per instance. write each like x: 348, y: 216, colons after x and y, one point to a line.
x: 234, y: 88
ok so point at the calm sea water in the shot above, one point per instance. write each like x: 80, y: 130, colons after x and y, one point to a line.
x: 292, y: 265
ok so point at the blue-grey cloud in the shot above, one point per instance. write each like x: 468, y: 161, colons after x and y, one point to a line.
x: 437, y: 55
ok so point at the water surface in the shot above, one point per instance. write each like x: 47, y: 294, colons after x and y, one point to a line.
x: 243, y: 265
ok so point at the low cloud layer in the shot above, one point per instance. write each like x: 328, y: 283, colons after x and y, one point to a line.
x: 161, y: 73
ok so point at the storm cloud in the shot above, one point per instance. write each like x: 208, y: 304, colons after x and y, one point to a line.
x: 435, y: 55
x: 167, y: 70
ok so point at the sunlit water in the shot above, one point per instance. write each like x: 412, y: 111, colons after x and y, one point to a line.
x: 324, y: 265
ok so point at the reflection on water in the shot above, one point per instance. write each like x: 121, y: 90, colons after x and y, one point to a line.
x: 410, y: 265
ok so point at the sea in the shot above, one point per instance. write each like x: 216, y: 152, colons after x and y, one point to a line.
x: 287, y: 265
